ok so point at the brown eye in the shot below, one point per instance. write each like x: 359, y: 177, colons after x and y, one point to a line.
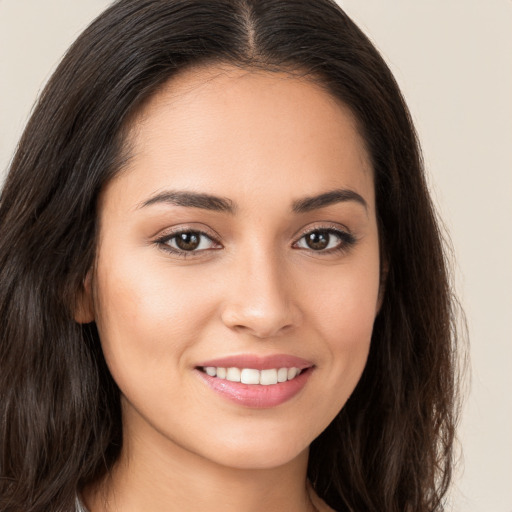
x: 188, y: 241
x: 326, y: 240
x: 317, y: 240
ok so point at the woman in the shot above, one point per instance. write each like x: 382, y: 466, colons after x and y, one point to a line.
x: 222, y: 281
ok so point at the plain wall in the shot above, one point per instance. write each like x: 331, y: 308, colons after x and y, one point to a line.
x: 453, y: 60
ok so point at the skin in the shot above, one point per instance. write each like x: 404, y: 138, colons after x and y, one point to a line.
x: 261, y: 140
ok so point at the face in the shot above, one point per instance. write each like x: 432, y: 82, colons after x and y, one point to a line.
x: 237, y: 273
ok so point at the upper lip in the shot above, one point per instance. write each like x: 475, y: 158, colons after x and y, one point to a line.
x: 258, y: 362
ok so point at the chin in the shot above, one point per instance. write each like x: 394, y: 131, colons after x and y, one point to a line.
x: 262, y: 459
x: 246, y: 452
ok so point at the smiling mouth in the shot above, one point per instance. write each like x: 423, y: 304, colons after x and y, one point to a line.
x: 255, y: 381
x: 252, y: 376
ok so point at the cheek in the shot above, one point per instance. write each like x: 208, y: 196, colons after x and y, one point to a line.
x: 147, y: 318
x: 345, y: 303
x: 345, y: 323
x: 343, y: 311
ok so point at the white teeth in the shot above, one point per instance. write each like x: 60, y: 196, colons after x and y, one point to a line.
x: 211, y: 371
x: 233, y: 374
x: 268, y: 377
x: 292, y: 373
x: 282, y: 375
x: 251, y: 376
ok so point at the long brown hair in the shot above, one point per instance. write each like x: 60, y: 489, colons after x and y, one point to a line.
x: 390, y: 447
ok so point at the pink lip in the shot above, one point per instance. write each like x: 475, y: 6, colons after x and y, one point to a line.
x: 257, y: 395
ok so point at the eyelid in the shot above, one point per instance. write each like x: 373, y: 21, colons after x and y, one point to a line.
x: 164, y: 236
x: 347, y: 239
x: 184, y: 228
x: 323, y: 226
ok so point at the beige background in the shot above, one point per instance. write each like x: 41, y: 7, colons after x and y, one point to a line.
x: 453, y: 60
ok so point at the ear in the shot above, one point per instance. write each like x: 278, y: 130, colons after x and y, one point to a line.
x: 84, y: 305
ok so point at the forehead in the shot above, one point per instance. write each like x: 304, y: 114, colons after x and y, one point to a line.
x: 223, y: 128
x: 231, y: 94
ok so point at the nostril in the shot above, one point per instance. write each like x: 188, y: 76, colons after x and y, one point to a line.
x: 260, y: 306
x: 261, y: 331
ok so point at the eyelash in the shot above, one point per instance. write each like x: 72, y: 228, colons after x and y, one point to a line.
x: 346, y: 241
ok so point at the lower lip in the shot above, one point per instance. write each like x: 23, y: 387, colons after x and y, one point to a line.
x: 256, y: 395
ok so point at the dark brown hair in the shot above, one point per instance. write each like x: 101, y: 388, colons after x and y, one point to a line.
x: 390, y: 448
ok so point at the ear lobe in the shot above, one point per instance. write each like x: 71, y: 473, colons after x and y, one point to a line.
x: 84, y: 305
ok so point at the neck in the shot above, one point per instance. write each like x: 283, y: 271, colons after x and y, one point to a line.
x: 164, y: 476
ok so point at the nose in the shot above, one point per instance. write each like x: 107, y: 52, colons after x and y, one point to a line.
x: 261, y: 297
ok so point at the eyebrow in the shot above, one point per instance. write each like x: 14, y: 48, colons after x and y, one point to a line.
x: 221, y: 204
x: 192, y: 200
x: 308, y: 204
